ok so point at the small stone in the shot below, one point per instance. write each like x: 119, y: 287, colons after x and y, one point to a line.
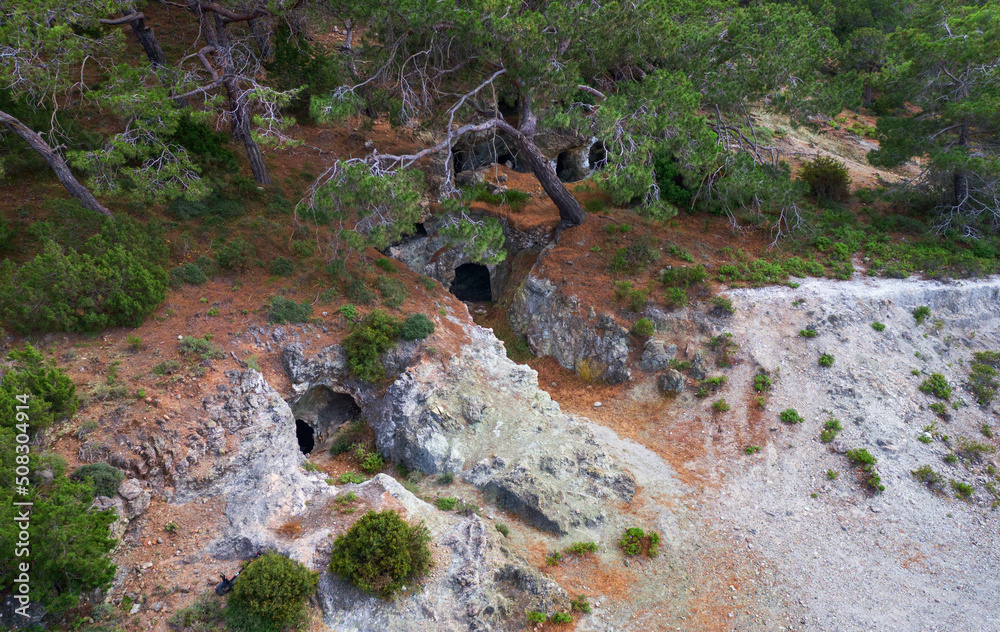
x: 135, y: 609
x: 597, y: 404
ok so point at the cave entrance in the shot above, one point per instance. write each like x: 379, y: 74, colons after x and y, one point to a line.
x: 304, y: 433
x: 472, y: 283
x: 318, y: 414
x: 598, y: 156
x: 572, y: 165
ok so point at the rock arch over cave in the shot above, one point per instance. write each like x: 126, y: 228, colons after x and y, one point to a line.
x: 472, y: 283
x: 322, y: 411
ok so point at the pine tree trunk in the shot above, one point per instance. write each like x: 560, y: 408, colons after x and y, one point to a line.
x: 151, y: 46
x: 56, y: 162
x: 239, y: 118
x: 570, y: 212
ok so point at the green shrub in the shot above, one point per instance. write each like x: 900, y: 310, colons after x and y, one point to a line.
x: 446, y: 503
x: 862, y: 457
x: 634, y: 297
x: 762, y: 382
x: 204, y: 615
x: 113, y: 280
x: 635, y: 541
x: 826, y: 360
x: 204, y: 142
x: 674, y: 298
x: 562, y: 617
x: 166, y: 367
x: 447, y: 478
x: 352, y: 477
x: 303, y: 248
x: 635, y: 257
x: 104, y: 478
x: 830, y: 431
x: 284, y: 310
x: 369, y: 462
x: 368, y: 340
x: 381, y: 553
x: 536, y: 617
x: 751, y: 450
x: 271, y: 593
x: 385, y: 264
x: 722, y: 306
x: 927, y: 475
x: 189, y: 274
x: 348, y: 311
x: 581, y: 548
x: 962, y: 490
x: 807, y: 333
x: 393, y: 291
x: 921, y: 313
x: 580, y: 604
x: 682, y: 277
x: 720, y: 406
x: 827, y: 178
x: 503, y: 529
x: 239, y: 254
x: 282, y: 267
x: 416, y: 327
x: 359, y: 292
x: 983, y: 382
x: 791, y: 416
x: 877, y: 326
x: 53, y: 393
x: 937, y: 386
x: 200, y: 346
x: 554, y: 559
x: 643, y: 328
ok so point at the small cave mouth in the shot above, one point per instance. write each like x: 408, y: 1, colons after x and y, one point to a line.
x: 419, y: 230
x: 570, y: 166
x: 472, y: 283
x: 305, y: 435
x: 598, y: 156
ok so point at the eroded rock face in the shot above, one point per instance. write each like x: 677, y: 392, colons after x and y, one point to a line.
x: 257, y: 472
x: 482, y: 408
x: 556, y: 325
x: 656, y: 355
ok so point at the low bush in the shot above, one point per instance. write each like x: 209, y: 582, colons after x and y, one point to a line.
x: 962, y: 490
x: 830, y: 430
x: 271, y: 594
x: 562, y: 617
x: 826, y: 360
x: 635, y: 541
x: 674, y: 298
x: 720, y: 406
x: 983, y: 382
x: 207, y: 614
x: 877, y: 326
x: 683, y: 277
x: 239, y: 254
x: 416, y: 327
x: 580, y: 604
x: 827, y: 178
x: 381, y: 553
x: 722, y: 306
x: 166, y: 367
x: 635, y: 298
x: 928, y: 476
x: 762, y: 382
x: 359, y: 292
x: 446, y: 503
x: 503, y: 529
x: 581, y: 548
x: 937, y: 386
x: 807, y: 333
x: 284, y: 310
x: 282, y: 267
x: 54, y: 396
x: 393, y: 291
x: 203, y: 347
x: 114, y: 280
x: 791, y: 416
x: 921, y: 313
x: 189, y: 274
x: 104, y: 478
x: 643, y: 328
x: 370, y: 462
x: 536, y: 617
x: 366, y: 343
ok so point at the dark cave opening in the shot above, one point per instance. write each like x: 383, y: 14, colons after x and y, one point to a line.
x: 304, y: 433
x: 598, y: 156
x: 472, y: 283
x: 569, y: 167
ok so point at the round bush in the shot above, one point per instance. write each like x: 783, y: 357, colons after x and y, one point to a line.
x: 643, y: 328
x: 381, y: 553
x: 188, y: 273
x: 271, y: 590
x: 105, y: 478
x: 827, y: 178
x: 417, y: 327
x: 282, y: 267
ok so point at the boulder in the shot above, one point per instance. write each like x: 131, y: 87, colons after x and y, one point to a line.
x: 135, y: 499
x: 671, y: 382
x: 656, y: 355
